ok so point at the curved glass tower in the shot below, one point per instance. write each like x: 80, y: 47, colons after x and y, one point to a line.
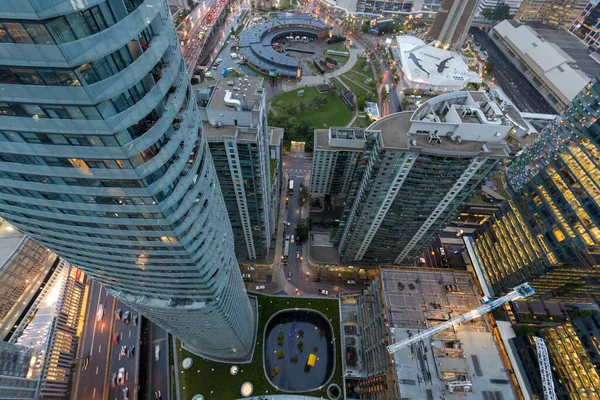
x: 102, y: 159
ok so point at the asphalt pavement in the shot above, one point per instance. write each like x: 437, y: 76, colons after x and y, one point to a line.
x: 92, y: 382
x: 128, y: 335
x: 512, y: 81
x: 160, y: 367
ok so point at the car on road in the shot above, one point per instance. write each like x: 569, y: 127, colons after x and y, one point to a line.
x: 316, y: 279
x: 157, y: 352
x: 351, y: 282
x: 250, y: 268
x: 131, y: 350
x: 115, y: 338
x: 85, y: 363
x: 366, y: 282
x: 246, y: 276
x: 135, y: 320
x: 298, y: 239
x: 286, y: 223
x: 158, y: 395
x: 125, y: 393
x: 113, y: 380
x: 260, y: 287
x: 292, y: 239
x: 123, y: 352
x: 289, y: 278
x: 121, y: 376
x: 323, y: 291
x: 127, y: 317
x: 297, y: 254
x: 118, y: 314
x: 100, y: 312
x: 287, y: 237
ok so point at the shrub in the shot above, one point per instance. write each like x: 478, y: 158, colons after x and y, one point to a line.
x: 294, y: 359
x: 301, y: 333
x: 301, y: 345
x: 280, y: 354
x: 275, y: 372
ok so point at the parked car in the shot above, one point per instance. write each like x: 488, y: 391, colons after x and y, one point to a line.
x: 250, y: 268
x: 260, y: 287
x: 113, y: 380
x: 323, y: 291
x: 246, y: 276
x: 115, y: 338
x: 125, y: 393
x: 118, y: 314
x: 351, y: 282
x: 127, y: 317
x: 157, y: 352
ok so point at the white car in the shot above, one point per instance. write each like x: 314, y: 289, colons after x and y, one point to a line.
x: 260, y: 287
x: 323, y: 291
x: 157, y: 352
x: 121, y: 376
x: 286, y: 223
x: 250, y: 268
x: 351, y: 282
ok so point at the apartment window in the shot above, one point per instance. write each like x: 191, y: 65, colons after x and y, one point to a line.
x: 18, y: 32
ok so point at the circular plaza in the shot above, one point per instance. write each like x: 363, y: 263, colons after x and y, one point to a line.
x: 262, y: 45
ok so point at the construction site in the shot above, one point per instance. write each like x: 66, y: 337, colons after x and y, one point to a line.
x: 462, y: 361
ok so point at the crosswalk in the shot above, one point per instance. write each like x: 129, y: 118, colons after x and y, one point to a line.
x: 297, y: 170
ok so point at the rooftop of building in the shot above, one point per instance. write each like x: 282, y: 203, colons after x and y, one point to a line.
x: 217, y: 132
x: 10, y: 238
x: 339, y: 138
x: 275, y: 135
x: 417, y: 298
x: 433, y: 66
x: 229, y: 94
x: 555, y: 64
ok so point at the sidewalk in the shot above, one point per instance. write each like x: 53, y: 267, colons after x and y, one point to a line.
x: 282, y: 397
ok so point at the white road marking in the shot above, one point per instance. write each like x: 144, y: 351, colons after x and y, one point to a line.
x: 130, y: 334
x: 94, y: 393
x: 99, y: 348
x: 96, y: 370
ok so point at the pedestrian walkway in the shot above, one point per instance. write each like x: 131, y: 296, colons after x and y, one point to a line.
x: 283, y: 397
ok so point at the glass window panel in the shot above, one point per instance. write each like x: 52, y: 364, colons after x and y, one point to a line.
x: 34, y: 109
x: 79, y: 25
x: 4, y: 35
x: 49, y: 76
x: 28, y: 76
x: 56, y: 112
x: 126, y: 55
x: 107, y: 13
x: 109, y: 141
x: 88, y: 73
x: 61, y: 30
x: 7, y: 76
x: 58, y: 139
x: 75, y: 112
x: 90, y: 112
x: 68, y: 78
x: 38, y: 33
x: 18, y: 33
x: 107, y: 109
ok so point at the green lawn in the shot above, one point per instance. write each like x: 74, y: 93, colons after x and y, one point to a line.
x: 215, y: 382
x: 334, y: 113
x: 354, y: 87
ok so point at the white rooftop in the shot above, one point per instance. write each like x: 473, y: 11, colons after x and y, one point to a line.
x: 432, y: 66
x: 551, y: 62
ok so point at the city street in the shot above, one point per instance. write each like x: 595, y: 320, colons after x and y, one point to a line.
x: 128, y: 336
x: 511, y: 79
x: 160, y: 369
x: 92, y: 382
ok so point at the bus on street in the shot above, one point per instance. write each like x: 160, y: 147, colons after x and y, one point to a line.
x: 291, y: 187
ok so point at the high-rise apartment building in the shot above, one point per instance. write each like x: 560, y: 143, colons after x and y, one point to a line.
x: 413, y: 173
x: 549, y: 234
x: 492, y: 4
x: 452, y: 22
x: 587, y: 25
x: 557, y: 13
x: 14, y: 370
x: 103, y: 160
x: 234, y: 120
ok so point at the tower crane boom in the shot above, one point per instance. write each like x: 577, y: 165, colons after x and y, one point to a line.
x: 519, y: 292
x: 545, y: 370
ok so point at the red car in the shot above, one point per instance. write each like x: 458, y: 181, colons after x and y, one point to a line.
x: 115, y: 338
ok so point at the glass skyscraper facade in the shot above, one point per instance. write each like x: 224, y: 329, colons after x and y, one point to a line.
x: 549, y: 232
x: 103, y: 160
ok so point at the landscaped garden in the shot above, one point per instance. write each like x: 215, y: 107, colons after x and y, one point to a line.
x: 214, y: 380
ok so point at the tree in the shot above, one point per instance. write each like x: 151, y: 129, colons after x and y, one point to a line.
x: 280, y: 354
x: 302, y: 106
x: 301, y: 333
x: 292, y: 109
x: 294, y: 359
x: 498, y: 13
x: 275, y: 372
x: 365, y: 27
x: 301, y: 345
x: 304, y: 194
x: 302, y: 231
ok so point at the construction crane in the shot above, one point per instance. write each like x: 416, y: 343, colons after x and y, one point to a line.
x: 519, y: 292
x: 545, y: 370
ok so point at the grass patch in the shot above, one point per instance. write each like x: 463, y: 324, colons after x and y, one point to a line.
x: 334, y: 113
x: 273, y: 164
x: 353, y: 86
x: 339, y: 46
x: 226, y: 387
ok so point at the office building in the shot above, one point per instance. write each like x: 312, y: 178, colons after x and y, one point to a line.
x: 276, y: 172
x: 389, y: 6
x: 463, y: 361
x: 549, y: 69
x: 413, y: 173
x: 587, y: 25
x: 103, y: 161
x: 556, y: 13
x: 234, y: 120
x: 24, y: 266
x: 549, y: 233
x: 15, y: 368
x: 573, y: 356
x: 452, y: 22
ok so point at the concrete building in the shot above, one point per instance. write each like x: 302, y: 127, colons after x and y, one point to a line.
x: 573, y: 357
x: 587, y: 25
x: 276, y: 173
x: 388, y: 7
x: 412, y: 173
x: 431, y: 68
x: 463, y: 361
x: 543, y: 63
x: 234, y: 120
x: 492, y: 4
x: 557, y: 13
x: 452, y: 22
x: 104, y: 162
x: 549, y: 234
